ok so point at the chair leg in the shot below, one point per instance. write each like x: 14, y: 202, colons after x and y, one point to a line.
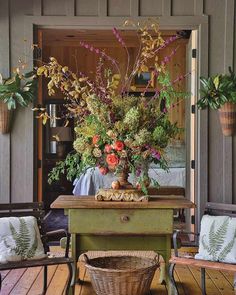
x: 70, y: 282
x: 45, y: 279
x: 172, y: 279
x: 203, y: 281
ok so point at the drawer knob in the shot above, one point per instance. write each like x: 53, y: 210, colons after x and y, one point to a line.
x: 124, y: 218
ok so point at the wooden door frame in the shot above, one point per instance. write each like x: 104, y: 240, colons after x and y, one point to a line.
x: 197, y: 22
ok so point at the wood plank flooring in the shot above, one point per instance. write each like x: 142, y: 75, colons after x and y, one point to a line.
x: 30, y: 281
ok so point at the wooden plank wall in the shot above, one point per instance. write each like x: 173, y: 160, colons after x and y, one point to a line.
x: 5, y: 152
x: 16, y: 150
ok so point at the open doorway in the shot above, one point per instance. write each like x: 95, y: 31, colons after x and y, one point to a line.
x: 191, y: 125
x: 64, y: 45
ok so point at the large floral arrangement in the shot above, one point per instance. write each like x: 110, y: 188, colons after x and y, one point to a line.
x: 114, y: 129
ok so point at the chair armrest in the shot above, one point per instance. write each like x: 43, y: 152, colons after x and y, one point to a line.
x: 56, y: 232
x: 66, y: 234
x: 175, y: 236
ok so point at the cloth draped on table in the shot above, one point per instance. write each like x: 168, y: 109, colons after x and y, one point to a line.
x: 90, y: 182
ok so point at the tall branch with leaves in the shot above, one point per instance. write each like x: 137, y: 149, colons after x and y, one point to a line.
x: 114, y: 127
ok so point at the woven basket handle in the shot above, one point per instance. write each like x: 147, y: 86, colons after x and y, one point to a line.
x: 157, y: 257
x: 86, y: 258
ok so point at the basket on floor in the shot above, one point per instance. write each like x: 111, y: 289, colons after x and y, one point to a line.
x: 126, y: 275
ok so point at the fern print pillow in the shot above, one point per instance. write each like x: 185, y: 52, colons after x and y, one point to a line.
x: 217, y: 239
x: 20, y: 239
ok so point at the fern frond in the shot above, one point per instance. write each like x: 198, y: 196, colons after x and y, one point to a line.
x: 212, y: 240
x: 13, y: 231
x: 23, y: 242
x: 226, y: 250
x: 221, y: 234
x: 216, y: 238
x: 21, y: 238
x: 32, y: 250
x: 205, y: 246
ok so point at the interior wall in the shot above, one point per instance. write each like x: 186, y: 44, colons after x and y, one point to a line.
x: 17, y: 148
x: 69, y: 52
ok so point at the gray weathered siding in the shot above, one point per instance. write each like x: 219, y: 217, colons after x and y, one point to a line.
x: 16, y: 149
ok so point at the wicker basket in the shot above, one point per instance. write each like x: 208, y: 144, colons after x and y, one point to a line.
x: 121, y: 275
x: 227, y: 114
x: 5, y: 118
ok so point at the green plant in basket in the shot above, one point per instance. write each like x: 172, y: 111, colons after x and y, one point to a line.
x: 218, y: 90
x: 219, y: 93
x: 18, y: 90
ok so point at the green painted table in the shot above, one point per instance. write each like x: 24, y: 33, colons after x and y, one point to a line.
x: 136, y: 226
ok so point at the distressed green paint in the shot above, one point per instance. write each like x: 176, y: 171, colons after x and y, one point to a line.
x: 106, y: 229
x: 139, y: 221
x: 137, y: 243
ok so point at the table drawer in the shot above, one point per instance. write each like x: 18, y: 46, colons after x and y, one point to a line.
x: 130, y: 221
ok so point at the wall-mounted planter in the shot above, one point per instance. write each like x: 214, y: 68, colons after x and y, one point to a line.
x: 5, y: 118
x: 227, y: 114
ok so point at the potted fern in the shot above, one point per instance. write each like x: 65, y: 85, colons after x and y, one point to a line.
x: 17, y: 90
x: 219, y: 93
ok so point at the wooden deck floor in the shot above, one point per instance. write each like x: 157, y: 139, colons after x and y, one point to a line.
x: 29, y: 281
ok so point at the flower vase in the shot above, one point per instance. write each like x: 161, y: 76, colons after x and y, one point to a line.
x: 122, y: 177
x: 125, y: 192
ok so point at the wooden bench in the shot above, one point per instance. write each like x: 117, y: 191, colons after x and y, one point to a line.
x: 215, y: 209
x: 36, y: 210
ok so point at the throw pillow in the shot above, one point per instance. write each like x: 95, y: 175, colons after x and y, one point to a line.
x: 20, y: 239
x: 217, y: 239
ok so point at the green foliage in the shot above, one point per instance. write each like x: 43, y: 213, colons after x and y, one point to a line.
x: 19, y: 90
x: 132, y: 118
x: 22, y: 240
x: 217, y: 90
x: 168, y: 91
x: 71, y: 167
x: 216, y: 241
x: 164, y: 131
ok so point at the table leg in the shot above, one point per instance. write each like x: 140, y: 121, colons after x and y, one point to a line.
x: 164, y: 269
x: 74, y: 254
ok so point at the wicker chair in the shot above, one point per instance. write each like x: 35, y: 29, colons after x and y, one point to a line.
x: 215, y: 209
x: 36, y: 210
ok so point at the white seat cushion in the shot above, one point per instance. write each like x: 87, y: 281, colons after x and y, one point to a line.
x: 20, y: 239
x: 217, y: 239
